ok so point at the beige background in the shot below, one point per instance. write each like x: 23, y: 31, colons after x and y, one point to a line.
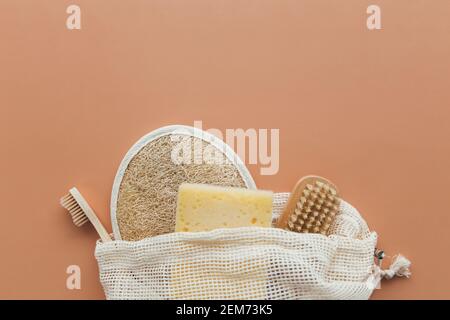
x: 368, y: 109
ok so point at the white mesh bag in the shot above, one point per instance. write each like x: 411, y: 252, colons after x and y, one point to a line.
x: 248, y: 263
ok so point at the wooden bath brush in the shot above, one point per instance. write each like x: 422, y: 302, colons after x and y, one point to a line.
x: 312, y: 206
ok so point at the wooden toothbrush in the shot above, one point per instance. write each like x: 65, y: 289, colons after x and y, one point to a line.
x: 81, y: 212
x: 312, y: 206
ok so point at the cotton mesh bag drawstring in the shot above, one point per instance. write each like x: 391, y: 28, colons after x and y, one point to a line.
x: 249, y: 263
x: 398, y: 268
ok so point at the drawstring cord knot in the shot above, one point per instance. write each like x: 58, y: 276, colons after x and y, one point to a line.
x: 399, y: 267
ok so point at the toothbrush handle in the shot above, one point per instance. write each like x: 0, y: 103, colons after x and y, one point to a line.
x: 104, y: 235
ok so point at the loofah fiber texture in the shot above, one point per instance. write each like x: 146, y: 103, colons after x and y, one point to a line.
x: 244, y: 263
x: 147, y: 196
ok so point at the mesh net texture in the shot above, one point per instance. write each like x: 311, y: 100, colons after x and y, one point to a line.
x: 243, y: 263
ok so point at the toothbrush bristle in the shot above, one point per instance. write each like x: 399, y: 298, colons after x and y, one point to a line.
x: 70, y: 204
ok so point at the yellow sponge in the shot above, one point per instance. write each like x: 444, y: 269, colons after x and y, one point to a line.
x: 203, y: 207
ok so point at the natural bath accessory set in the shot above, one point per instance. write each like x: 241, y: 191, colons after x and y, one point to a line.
x: 202, y: 230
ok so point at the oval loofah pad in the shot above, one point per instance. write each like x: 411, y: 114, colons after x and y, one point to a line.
x: 144, y: 196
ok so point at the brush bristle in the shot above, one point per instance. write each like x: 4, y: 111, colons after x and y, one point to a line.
x: 315, y: 210
x: 78, y: 216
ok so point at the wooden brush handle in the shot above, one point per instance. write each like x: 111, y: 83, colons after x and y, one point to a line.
x: 104, y: 235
